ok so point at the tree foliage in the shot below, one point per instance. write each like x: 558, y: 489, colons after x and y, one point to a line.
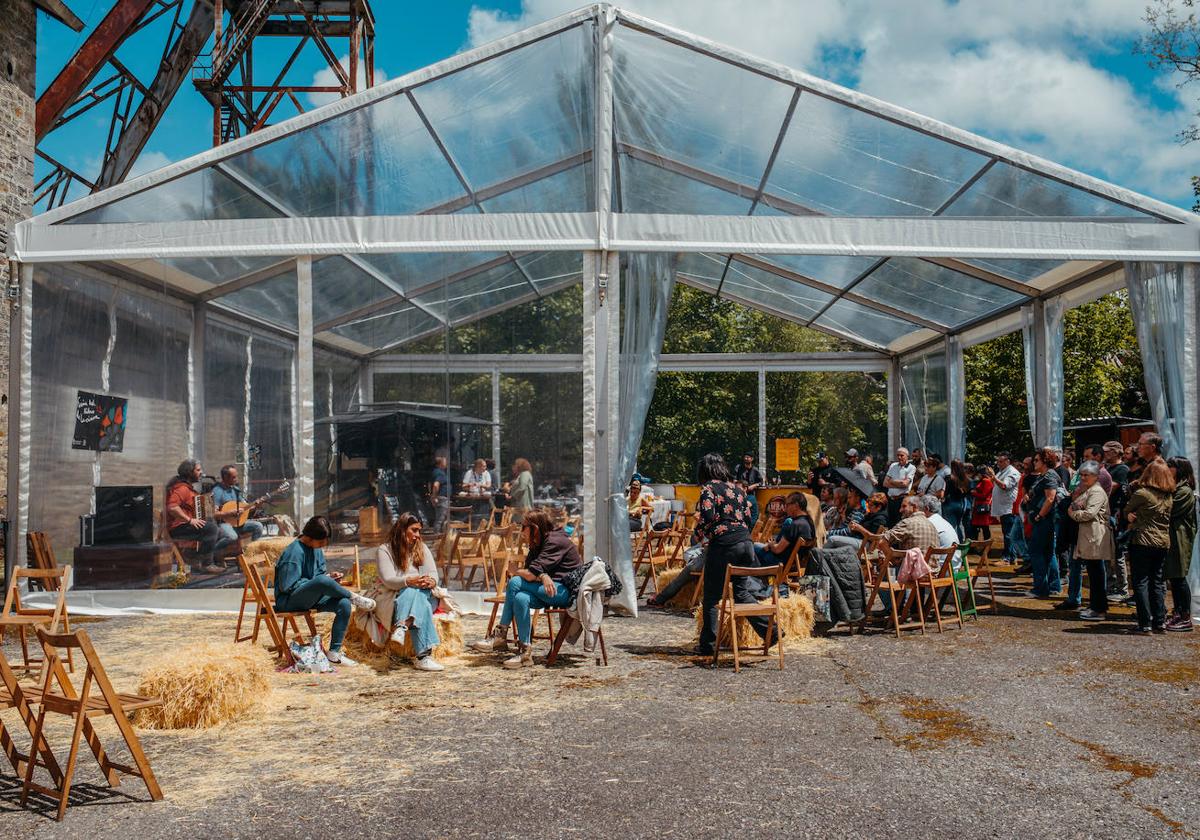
x: 1173, y: 44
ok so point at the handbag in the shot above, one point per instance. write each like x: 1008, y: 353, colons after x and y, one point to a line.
x: 816, y: 589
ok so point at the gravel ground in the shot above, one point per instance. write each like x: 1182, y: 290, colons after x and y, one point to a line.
x: 1023, y: 724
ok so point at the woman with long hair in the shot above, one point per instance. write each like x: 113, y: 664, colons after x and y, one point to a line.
x: 1183, y: 535
x: 521, y: 493
x: 932, y: 483
x: 539, y: 584
x: 1148, y: 513
x: 957, y: 500
x: 723, y: 522
x: 403, y: 593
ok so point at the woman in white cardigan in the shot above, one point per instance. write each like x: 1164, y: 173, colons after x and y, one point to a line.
x: 404, y: 597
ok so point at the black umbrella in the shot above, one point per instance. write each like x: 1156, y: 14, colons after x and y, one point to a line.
x: 855, y: 480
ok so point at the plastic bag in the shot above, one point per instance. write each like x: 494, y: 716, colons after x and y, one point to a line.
x: 310, y: 658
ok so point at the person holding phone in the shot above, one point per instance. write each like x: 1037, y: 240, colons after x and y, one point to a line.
x: 302, y: 583
x: 404, y: 594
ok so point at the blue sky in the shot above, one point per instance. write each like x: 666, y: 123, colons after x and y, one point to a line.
x: 1056, y: 78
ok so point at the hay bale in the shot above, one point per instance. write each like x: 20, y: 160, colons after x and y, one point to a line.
x: 204, y: 685
x: 268, y: 547
x: 683, y: 598
x: 360, y: 646
x: 796, y: 618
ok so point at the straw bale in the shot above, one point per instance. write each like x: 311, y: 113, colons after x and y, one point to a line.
x: 203, y: 685
x: 796, y: 618
x: 268, y: 547
x: 683, y: 598
x: 360, y: 646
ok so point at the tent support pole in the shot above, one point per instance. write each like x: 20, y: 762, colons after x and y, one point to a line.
x: 20, y: 372
x: 305, y: 428
x: 762, y: 421
x: 196, y: 382
x: 496, y: 421
x: 894, y: 425
x: 956, y: 399
x: 1041, y: 376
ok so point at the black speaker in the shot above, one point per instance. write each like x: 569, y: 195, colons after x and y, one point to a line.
x: 124, y: 516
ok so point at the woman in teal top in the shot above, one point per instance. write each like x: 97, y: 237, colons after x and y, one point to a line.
x: 301, y: 583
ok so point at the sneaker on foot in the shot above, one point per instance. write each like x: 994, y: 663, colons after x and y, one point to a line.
x: 1117, y: 597
x: 522, y: 659
x: 427, y: 663
x: 1180, y: 624
x: 400, y: 634
x: 362, y: 601
x: 1092, y: 615
x: 1138, y: 631
x: 494, y: 643
x: 339, y: 658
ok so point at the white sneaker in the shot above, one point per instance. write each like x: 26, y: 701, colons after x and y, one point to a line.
x: 362, y: 601
x: 400, y: 634
x: 427, y: 663
x: 339, y: 658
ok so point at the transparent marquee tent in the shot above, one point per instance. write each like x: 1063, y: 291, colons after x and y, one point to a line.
x: 570, y: 173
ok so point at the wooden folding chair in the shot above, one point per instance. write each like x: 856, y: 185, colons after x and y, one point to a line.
x: 730, y: 611
x: 23, y: 619
x: 797, y: 562
x: 564, y: 626
x: 472, y: 549
x: 886, y: 563
x: 261, y: 575
x: 982, y: 568
x: 15, y: 696
x: 940, y: 579
x: 650, y: 556
x: 58, y: 696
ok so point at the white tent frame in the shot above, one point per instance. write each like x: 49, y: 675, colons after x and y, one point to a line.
x: 1091, y: 249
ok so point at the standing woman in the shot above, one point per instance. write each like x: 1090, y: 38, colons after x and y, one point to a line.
x: 403, y: 593
x: 521, y: 493
x: 1041, y: 506
x: 1094, y: 545
x: 723, y: 521
x: 1148, y: 512
x: 981, y: 507
x: 1183, y: 535
x: 933, y: 483
x: 957, y: 500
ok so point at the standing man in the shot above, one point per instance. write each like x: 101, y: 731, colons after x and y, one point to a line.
x: 1094, y: 452
x: 860, y: 465
x: 1005, y: 481
x: 439, y: 493
x: 897, y: 482
x: 1149, y: 447
x: 751, y: 479
x: 817, y: 475
x: 228, y: 491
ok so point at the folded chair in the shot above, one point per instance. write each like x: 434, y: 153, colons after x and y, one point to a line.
x: 260, y: 575
x: 25, y: 619
x: 730, y: 611
x: 96, y: 698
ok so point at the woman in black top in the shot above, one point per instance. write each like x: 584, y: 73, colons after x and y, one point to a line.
x: 723, y: 521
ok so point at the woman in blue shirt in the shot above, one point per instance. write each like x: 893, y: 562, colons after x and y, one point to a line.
x: 301, y: 583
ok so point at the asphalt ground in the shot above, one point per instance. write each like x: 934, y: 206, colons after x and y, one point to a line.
x: 1023, y: 724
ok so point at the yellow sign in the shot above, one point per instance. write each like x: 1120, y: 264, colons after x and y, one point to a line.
x: 787, y: 454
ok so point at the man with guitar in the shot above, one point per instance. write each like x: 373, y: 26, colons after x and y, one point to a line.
x: 232, y: 510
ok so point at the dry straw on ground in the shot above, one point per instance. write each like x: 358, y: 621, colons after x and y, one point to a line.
x: 682, y: 599
x: 361, y: 648
x: 203, y: 685
x: 796, y: 618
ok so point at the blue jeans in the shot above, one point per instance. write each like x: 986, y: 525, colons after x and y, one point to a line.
x: 252, y: 528
x: 323, y: 594
x: 1075, y: 581
x: 953, y: 512
x: 417, y: 604
x: 1046, y: 579
x: 1014, y: 539
x: 521, y: 596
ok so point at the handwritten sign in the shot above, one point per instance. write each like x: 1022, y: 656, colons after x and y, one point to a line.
x: 787, y: 454
x: 99, y: 422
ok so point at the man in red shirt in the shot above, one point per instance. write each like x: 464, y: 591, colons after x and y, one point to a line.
x: 182, y: 521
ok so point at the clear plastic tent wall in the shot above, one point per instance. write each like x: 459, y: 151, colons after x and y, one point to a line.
x: 448, y: 244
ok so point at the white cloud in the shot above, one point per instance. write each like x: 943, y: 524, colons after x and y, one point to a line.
x: 148, y: 161
x: 1023, y: 72
x: 325, y: 77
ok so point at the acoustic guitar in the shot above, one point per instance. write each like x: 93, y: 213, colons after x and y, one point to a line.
x: 242, y: 509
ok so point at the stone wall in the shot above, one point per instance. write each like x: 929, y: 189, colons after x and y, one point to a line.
x: 18, y: 36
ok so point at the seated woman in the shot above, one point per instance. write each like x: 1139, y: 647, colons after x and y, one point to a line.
x: 301, y: 583
x: 873, y: 522
x: 552, y: 557
x: 403, y: 594
x: 639, y: 506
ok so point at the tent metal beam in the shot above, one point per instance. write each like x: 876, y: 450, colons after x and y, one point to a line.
x: 854, y: 297
x: 251, y: 278
x: 281, y: 207
x: 848, y: 361
x: 509, y: 184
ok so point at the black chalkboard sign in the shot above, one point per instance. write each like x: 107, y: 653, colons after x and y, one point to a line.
x: 100, y: 422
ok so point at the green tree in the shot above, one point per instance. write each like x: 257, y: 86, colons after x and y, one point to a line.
x: 1173, y: 44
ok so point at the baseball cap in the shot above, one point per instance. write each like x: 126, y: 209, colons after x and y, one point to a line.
x: 851, y: 453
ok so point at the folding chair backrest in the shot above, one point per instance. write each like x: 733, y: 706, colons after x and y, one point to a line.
x: 53, y: 580
x: 771, y: 572
x: 941, y: 560
x: 981, y: 548
x: 41, y: 555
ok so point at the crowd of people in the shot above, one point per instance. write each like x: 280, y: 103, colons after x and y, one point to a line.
x: 1125, y: 516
